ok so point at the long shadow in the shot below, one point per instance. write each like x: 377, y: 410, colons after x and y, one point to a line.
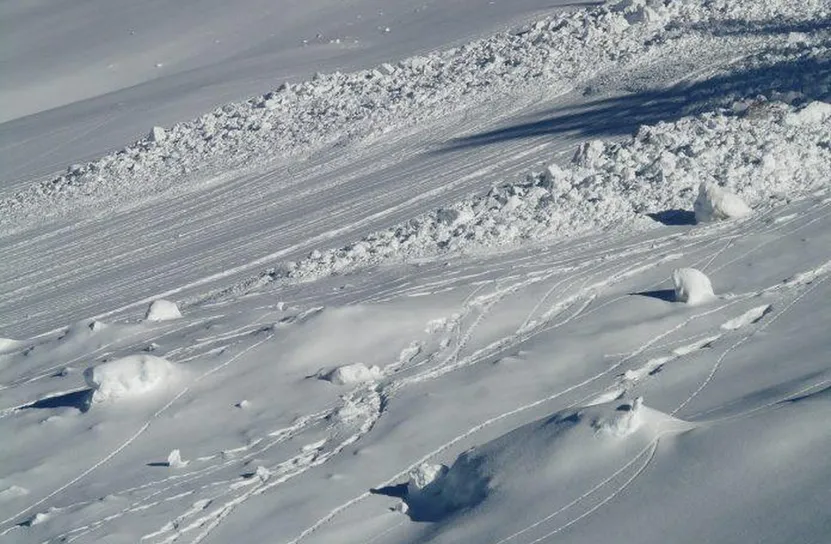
x: 673, y: 218
x: 80, y: 400
x: 616, y: 116
x: 667, y: 295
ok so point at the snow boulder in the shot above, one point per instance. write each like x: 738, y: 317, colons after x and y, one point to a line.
x: 130, y: 376
x: 162, y: 310
x: 716, y: 204
x: 691, y: 286
x: 352, y: 374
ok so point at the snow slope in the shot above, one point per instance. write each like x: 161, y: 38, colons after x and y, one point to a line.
x: 433, y: 301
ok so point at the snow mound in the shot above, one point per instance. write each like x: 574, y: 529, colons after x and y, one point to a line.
x: 716, y: 204
x: 353, y: 374
x: 537, y: 461
x: 130, y: 376
x: 691, y: 286
x: 162, y: 310
x: 174, y: 460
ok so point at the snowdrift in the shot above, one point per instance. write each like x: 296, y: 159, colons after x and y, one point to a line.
x: 536, y: 462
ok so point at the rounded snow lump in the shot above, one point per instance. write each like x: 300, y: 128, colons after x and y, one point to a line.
x: 128, y: 377
x: 162, y: 310
x: 354, y: 373
x: 716, y: 204
x: 691, y: 286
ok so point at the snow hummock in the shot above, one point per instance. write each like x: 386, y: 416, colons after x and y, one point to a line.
x: 715, y: 203
x: 353, y: 373
x: 691, y: 286
x: 162, y: 310
x: 424, y: 475
x: 129, y: 376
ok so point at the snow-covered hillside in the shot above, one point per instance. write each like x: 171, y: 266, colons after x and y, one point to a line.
x: 564, y: 282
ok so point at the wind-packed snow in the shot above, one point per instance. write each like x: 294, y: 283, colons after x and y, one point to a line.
x: 566, y: 282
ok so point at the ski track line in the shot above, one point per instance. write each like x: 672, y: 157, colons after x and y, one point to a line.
x: 744, y: 339
x: 602, y: 503
x: 136, y: 435
x: 306, y: 532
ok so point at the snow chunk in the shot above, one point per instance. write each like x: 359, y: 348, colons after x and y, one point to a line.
x: 691, y: 286
x: 174, y: 460
x: 814, y: 113
x: 162, y: 310
x: 715, y: 204
x: 7, y: 344
x: 423, y: 476
x: 352, y: 374
x: 157, y: 134
x: 128, y: 377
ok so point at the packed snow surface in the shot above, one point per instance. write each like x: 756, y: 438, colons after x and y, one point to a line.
x: 495, y: 250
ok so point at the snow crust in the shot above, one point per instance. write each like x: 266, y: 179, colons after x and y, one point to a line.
x: 691, y: 286
x: 162, y: 310
x: 130, y: 376
x: 715, y: 204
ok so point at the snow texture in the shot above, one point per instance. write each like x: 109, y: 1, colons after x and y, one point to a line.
x: 691, y: 286
x: 716, y: 204
x: 130, y: 376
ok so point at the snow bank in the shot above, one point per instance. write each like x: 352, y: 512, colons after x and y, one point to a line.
x: 611, y: 185
x: 558, y: 52
x: 130, y: 376
x: 162, y: 310
x: 691, y: 286
x: 353, y: 374
x: 715, y: 204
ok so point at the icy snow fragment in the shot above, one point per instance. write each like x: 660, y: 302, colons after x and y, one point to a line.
x: 128, y: 377
x: 813, y: 114
x: 262, y: 473
x: 716, y: 204
x: 174, y: 460
x: 162, y: 310
x: 157, y: 134
x: 352, y: 374
x: 424, y: 475
x: 691, y: 286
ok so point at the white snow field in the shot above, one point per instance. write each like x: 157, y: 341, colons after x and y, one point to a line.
x: 447, y: 272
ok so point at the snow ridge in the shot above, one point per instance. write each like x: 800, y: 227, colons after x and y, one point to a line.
x: 764, y: 158
x: 556, y: 51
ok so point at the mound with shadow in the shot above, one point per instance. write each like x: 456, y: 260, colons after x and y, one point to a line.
x: 548, y: 461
